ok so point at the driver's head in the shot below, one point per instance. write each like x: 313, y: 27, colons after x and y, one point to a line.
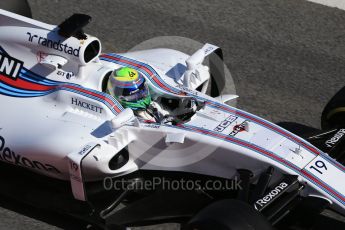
x: 128, y: 86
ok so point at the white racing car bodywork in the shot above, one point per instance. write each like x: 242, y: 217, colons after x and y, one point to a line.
x: 57, y: 120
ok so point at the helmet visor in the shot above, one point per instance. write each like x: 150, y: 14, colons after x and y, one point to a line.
x: 125, y: 94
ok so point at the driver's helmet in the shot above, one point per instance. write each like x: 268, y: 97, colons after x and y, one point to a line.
x: 128, y: 86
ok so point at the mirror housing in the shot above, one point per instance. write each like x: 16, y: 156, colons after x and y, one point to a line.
x: 125, y: 117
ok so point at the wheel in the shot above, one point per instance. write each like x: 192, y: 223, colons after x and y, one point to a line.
x: 17, y: 6
x: 229, y: 215
x: 213, y: 88
x: 333, y: 115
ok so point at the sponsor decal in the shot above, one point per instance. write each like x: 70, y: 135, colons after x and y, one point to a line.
x: 224, y: 124
x: 41, y: 56
x: 334, y: 140
x: 75, y: 170
x: 9, y: 66
x: 239, y: 128
x: 8, y: 156
x: 153, y: 126
x: 193, y: 92
x: 84, y: 150
x: 261, y: 203
x: 86, y: 105
x: 214, y: 111
x: 208, y: 50
x: 67, y: 75
x: 53, y: 44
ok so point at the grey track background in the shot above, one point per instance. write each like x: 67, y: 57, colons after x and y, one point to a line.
x: 287, y: 57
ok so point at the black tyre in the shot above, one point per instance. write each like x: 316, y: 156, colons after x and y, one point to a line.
x: 217, y: 78
x: 217, y: 73
x: 229, y: 215
x: 17, y: 6
x: 333, y: 115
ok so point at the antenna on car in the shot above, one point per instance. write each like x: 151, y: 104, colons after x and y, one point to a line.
x: 73, y: 26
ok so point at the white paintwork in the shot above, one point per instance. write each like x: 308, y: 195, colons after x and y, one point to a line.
x: 53, y: 61
x: 331, y: 3
x: 192, y: 76
x: 123, y: 118
x: 46, y: 132
x: 75, y: 170
x: 226, y: 97
x: 174, y: 138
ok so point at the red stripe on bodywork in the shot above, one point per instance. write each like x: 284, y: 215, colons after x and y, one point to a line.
x: 26, y: 85
x: 22, y: 84
x: 322, y: 184
x: 267, y: 153
x: 265, y: 124
x: 102, y: 97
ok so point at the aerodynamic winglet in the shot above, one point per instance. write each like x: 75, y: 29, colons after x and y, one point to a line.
x: 73, y: 26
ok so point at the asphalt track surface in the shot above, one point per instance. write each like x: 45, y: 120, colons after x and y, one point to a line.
x: 287, y: 57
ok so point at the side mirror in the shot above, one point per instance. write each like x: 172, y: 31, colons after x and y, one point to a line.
x: 125, y: 117
x: 194, y: 61
x: 226, y: 97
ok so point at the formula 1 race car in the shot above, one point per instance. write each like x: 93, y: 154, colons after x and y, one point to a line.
x: 82, y: 153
